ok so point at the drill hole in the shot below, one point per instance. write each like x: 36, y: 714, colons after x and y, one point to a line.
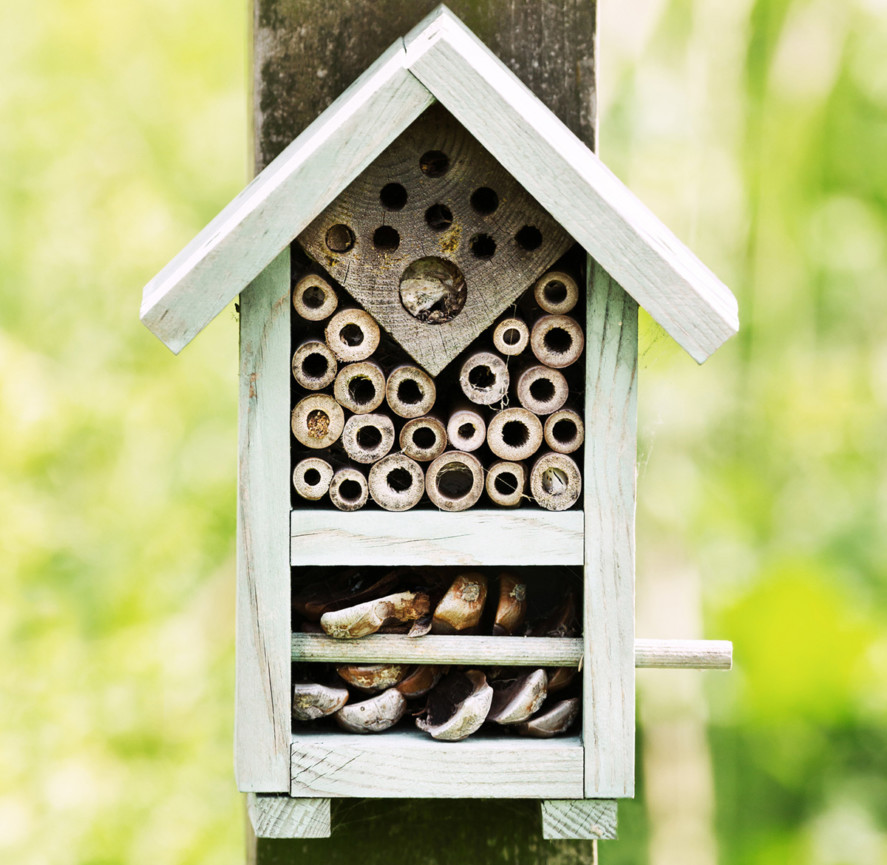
x: 558, y: 340
x: 386, y: 238
x: 483, y: 246
x: 393, y: 196
x: 484, y: 201
x: 434, y: 163
x: 400, y: 480
x: 351, y: 334
x: 454, y: 481
x: 340, y: 238
x: 529, y: 238
x: 439, y: 217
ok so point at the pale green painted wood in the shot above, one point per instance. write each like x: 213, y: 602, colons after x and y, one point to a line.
x: 262, y: 719
x: 265, y: 217
x: 285, y: 817
x: 572, y: 184
x: 410, y: 763
x: 579, y: 819
x: 608, y: 723
x: 502, y: 651
x: 474, y: 537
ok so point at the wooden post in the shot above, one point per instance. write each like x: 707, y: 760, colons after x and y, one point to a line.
x: 305, y: 53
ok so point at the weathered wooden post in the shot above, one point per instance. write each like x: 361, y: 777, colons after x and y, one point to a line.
x: 422, y: 262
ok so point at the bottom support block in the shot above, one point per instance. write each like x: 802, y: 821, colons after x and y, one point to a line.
x: 579, y: 819
x: 283, y: 817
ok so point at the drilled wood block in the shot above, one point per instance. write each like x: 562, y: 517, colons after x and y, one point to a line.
x: 435, y: 195
x: 579, y: 819
x: 284, y: 817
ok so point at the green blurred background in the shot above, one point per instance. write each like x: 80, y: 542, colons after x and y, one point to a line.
x: 756, y: 130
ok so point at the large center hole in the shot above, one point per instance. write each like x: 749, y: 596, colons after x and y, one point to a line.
x: 433, y: 290
x: 424, y: 437
x: 554, y: 481
x: 351, y: 334
x: 311, y: 477
x: 409, y: 392
x: 361, y: 390
x: 511, y: 336
x: 369, y: 437
x: 315, y: 365
x: 555, y: 292
x: 505, y: 483
x: 481, y: 377
x: 466, y: 431
x: 558, y: 340
x: 313, y: 297
x: 399, y: 480
x: 318, y: 423
x: 564, y: 430
x: 350, y: 490
x: 515, y: 433
x: 542, y: 389
x: 455, y: 481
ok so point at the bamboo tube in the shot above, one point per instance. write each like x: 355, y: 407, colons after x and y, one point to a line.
x: 314, y: 298
x: 484, y: 378
x: 360, y: 387
x: 317, y: 420
x: 352, y: 334
x: 348, y: 489
x: 466, y: 429
x: 368, y: 437
x: 311, y: 478
x: 555, y: 482
x: 397, y: 483
x: 557, y: 340
x: 410, y: 392
x: 511, y: 336
x: 423, y: 438
x: 314, y: 365
x: 564, y: 431
x: 542, y: 390
x: 556, y: 292
x: 454, y: 481
x: 514, y: 434
x: 505, y: 483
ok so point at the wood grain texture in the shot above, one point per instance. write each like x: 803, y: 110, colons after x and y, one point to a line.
x: 584, y: 819
x: 262, y: 719
x: 285, y: 817
x: 410, y: 763
x: 474, y: 537
x: 610, y: 454
x: 572, y: 183
x: 507, y: 651
x: 306, y: 52
x: 264, y: 218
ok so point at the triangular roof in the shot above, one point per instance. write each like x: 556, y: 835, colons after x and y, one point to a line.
x: 443, y: 60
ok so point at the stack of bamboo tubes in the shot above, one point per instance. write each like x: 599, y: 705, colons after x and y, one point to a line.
x: 398, y: 437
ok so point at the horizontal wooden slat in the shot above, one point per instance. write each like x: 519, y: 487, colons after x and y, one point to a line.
x: 509, y: 651
x: 475, y: 537
x: 409, y: 763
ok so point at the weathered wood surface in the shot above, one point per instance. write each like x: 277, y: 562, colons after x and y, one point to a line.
x: 262, y: 719
x: 410, y: 763
x: 473, y: 537
x: 285, y: 817
x: 571, y: 182
x: 610, y: 455
x: 506, y: 651
x: 579, y: 818
x: 264, y: 218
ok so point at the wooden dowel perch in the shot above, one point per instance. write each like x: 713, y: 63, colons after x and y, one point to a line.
x: 503, y: 651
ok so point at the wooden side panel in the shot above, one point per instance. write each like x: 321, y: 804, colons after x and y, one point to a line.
x: 580, y: 819
x: 476, y: 537
x: 411, y: 764
x: 610, y: 453
x: 573, y: 185
x: 284, y: 817
x: 262, y: 720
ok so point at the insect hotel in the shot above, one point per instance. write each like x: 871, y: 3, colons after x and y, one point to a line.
x: 438, y: 381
